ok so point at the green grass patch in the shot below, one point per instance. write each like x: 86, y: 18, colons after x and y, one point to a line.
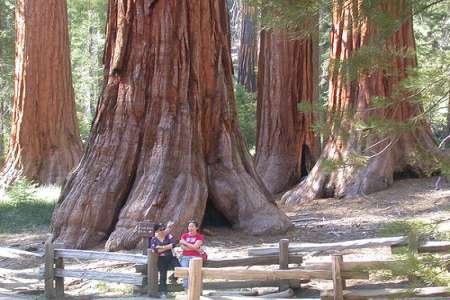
x: 26, y: 208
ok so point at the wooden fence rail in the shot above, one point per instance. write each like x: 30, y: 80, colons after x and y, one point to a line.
x: 54, y: 272
x: 428, y: 246
x: 232, y: 276
x: 96, y: 255
x: 146, y: 265
x: 272, y: 275
x: 336, y: 270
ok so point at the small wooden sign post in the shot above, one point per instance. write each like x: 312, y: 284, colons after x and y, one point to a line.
x: 145, y: 231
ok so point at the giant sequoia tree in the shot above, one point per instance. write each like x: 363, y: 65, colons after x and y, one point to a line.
x: 44, y: 144
x: 247, y: 48
x: 286, y: 145
x: 374, y: 132
x: 165, y: 139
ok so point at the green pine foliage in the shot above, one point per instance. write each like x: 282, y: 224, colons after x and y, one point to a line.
x: 87, y: 20
x: 422, y: 269
x: 432, y: 79
x: 246, y: 106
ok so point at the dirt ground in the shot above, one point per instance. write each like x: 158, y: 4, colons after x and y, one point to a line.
x: 323, y: 220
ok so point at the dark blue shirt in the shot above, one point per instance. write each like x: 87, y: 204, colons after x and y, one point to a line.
x: 168, y: 240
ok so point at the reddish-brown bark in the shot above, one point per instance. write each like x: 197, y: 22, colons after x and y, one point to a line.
x: 248, y: 48
x: 350, y: 102
x: 286, y: 146
x: 44, y: 143
x: 165, y: 139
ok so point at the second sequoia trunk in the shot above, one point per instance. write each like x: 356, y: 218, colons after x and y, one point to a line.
x: 359, y: 160
x: 45, y: 143
x: 247, y: 48
x: 286, y: 147
x: 165, y: 139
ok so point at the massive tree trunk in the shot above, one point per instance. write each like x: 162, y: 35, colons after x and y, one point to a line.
x: 286, y: 146
x: 44, y: 144
x: 248, y: 48
x: 165, y: 139
x: 359, y: 161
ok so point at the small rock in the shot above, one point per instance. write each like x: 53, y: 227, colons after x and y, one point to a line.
x: 31, y: 248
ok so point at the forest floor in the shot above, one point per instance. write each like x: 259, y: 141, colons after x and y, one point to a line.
x: 323, y: 220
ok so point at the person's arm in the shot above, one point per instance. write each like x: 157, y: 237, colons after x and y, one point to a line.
x: 163, y: 248
x: 196, y: 246
x: 172, y: 241
x: 186, y: 245
x: 169, y: 227
x: 153, y: 245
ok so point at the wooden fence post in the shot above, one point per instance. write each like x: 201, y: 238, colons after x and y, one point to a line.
x: 59, y: 281
x: 338, y: 281
x: 195, y: 279
x: 152, y: 274
x: 284, y: 261
x: 49, y: 272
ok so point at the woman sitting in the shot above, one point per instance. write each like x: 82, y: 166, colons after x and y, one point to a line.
x: 191, y: 242
x: 162, y: 244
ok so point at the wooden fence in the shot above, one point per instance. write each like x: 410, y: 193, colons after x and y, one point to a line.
x: 337, y: 270
x: 216, y: 274
x: 54, y: 271
x: 146, y: 276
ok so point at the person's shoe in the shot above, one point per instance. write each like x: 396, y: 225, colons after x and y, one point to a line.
x: 172, y: 279
x: 163, y: 295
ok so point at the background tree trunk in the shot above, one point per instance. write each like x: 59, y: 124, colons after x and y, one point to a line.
x: 44, y: 144
x: 448, y: 115
x: 2, y: 131
x: 385, y: 155
x: 234, y: 11
x: 286, y: 144
x: 317, y: 69
x: 165, y: 139
x: 248, y: 48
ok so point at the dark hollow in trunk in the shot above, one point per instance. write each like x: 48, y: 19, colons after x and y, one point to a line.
x: 213, y: 217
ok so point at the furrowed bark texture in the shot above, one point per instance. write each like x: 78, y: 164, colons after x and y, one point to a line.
x: 248, y: 48
x: 351, y: 101
x: 165, y: 139
x: 286, y: 145
x: 44, y: 143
